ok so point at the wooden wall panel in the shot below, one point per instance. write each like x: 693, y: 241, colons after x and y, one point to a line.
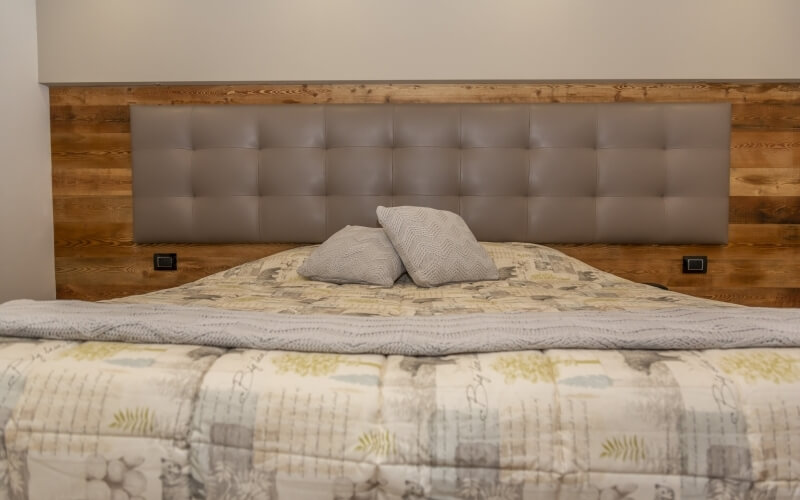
x: 97, y: 259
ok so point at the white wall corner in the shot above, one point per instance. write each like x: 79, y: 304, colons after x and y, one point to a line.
x: 27, y: 268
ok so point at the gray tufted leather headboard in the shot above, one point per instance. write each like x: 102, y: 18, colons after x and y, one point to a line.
x: 545, y: 173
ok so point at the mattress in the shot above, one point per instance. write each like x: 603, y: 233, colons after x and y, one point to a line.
x: 89, y: 419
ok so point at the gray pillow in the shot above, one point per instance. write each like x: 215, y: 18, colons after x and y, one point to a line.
x: 436, y: 246
x: 354, y: 254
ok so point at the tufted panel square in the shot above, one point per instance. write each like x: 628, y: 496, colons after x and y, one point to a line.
x: 293, y: 218
x: 353, y: 125
x: 426, y: 171
x: 575, y: 173
x: 359, y: 171
x: 163, y: 218
x: 353, y: 210
x: 161, y: 128
x: 631, y: 172
x: 496, y: 126
x: 281, y: 126
x: 694, y: 126
x: 695, y: 218
x: 226, y: 127
x: 496, y: 218
x: 563, y: 126
x: 563, y: 172
x: 163, y: 172
x: 494, y: 172
x: 434, y: 125
x: 630, y: 219
x: 683, y: 166
x: 225, y: 172
x: 631, y: 125
x: 225, y: 219
x: 291, y: 171
x: 561, y: 219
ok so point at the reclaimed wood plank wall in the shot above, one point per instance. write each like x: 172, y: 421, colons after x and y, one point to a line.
x: 97, y: 259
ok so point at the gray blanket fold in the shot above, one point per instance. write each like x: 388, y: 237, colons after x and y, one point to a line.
x: 675, y: 328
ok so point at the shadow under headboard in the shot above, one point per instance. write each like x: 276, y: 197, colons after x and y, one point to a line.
x: 544, y: 173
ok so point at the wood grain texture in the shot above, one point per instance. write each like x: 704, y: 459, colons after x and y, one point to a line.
x: 765, y: 182
x: 96, y: 258
x: 764, y: 210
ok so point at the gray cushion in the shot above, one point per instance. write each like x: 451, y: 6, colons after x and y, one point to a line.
x: 354, y: 254
x: 436, y: 246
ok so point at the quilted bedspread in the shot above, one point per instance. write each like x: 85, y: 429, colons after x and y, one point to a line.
x: 534, y: 278
x: 130, y: 421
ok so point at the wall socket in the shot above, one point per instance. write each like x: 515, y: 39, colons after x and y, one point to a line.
x: 165, y: 261
x: 695, y: 264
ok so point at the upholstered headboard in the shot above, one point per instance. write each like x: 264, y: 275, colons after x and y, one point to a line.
x: 545, y: 173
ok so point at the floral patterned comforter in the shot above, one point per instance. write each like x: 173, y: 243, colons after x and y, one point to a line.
x: 533, y: 278
x: 101, y: 420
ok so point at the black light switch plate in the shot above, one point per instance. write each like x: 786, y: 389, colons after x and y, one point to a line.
x: 695, y: 264
x: 165, y: 261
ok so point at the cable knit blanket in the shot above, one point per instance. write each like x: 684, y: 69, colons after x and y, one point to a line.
x: 673, y: 328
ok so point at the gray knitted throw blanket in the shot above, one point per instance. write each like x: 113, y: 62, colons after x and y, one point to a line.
x: 674, y: 328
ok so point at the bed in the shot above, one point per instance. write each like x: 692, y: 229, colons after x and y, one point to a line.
x: 556, y: 381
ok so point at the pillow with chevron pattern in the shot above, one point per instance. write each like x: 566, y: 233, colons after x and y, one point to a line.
x: 436, y: 246
x: 355, y: 254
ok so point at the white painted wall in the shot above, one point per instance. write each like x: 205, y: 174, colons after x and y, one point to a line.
x: 26, y: 207
x: 121, y: 41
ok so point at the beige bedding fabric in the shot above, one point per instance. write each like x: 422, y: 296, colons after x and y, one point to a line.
x: 99, y: 420
x: 533, y: 278
x: 81, y: 420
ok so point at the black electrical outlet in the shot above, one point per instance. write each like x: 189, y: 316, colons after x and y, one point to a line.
x: 165, y: 261
x: 695, y: 264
